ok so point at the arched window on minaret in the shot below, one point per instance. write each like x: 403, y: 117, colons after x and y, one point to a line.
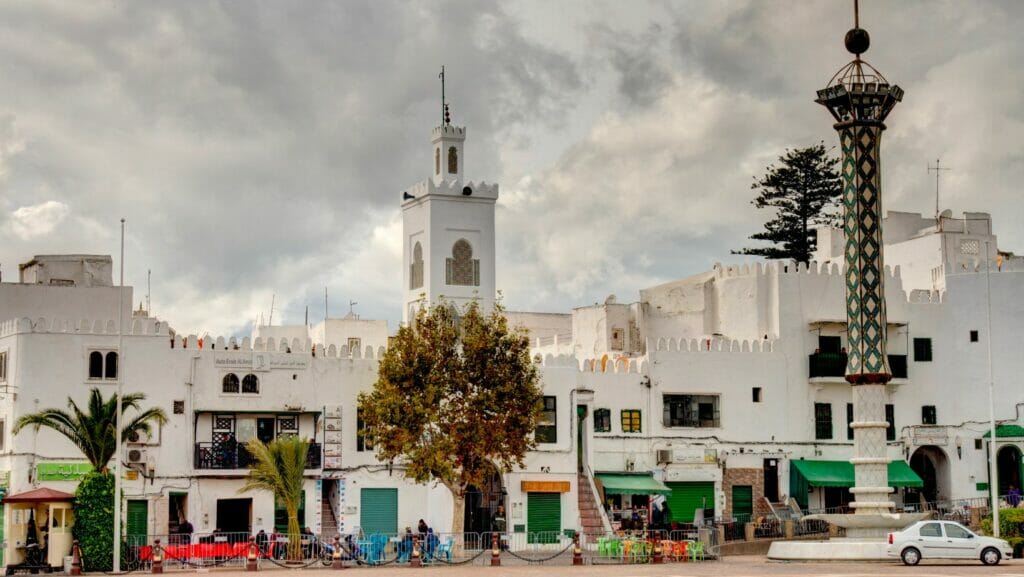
x: 462, y: 269
x: 416, y: 267
x: 453, y: 161
x: 437, y: 161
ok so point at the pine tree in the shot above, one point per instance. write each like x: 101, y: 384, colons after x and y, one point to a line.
x: 805, y: 190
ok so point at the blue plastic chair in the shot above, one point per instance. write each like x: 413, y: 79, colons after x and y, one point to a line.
x: 444, y: 549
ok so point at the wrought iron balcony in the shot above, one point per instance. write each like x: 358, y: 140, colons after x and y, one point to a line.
x: 234, y: 455
x: 834, y: 365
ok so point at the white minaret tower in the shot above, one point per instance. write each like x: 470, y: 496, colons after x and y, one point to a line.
x: 448, y: 230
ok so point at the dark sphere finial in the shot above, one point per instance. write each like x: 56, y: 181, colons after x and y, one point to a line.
x: 857, y: 41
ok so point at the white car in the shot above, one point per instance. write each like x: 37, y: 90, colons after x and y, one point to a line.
x: 945, y: 540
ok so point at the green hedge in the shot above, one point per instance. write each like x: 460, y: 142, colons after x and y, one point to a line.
x: 1011, y: 523
x: 94, y: 521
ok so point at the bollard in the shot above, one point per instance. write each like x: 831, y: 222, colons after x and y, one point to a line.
x: 658, y: 559
x: 495, y: 551
x: 253, y: 556
x: 749, y: 530
x: 789, y: 528
x: 577, y: 553
x: 336, y: 562
x: 76, y: 559
x: 414, y: 558
x: 158, y: 557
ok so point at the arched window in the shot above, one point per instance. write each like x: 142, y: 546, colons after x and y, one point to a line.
x: 462, y: 269
x: 437, y: 160
x: 230, y: 383
x: 110, y: 372
x: 250, y: 384
x: 416, y: 268
x: 95, y: 365
x: 453, y: 161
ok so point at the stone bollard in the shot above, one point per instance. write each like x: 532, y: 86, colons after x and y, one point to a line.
x: 158, y: 557
x: 336, y: 562
x: 748, y: 531
x: 577, y: 553
x: 975, y: 517
x: 414, y: 556
x: 252, y: 556
x: 495, y: 551
x: 789, y: 528
x: 76, y: 559
x: 833, y: 530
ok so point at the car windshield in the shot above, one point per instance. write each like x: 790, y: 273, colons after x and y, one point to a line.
x: 955, y: 531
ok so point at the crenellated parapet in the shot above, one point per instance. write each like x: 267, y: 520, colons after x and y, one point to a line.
x: 451, y: 188
x: 283, y: 345
x: 714, y: 344
x: 614, y: 365
x: 136, y: 327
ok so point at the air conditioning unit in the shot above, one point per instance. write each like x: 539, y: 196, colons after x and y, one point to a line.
x: 630, y: 465
x: 136, y: 457
x: 135, y: 438
x: 664, y: 456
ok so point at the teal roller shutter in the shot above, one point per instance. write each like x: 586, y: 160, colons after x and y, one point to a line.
x: 686, y: 497
x: 378, y: 511
x: 543, y: 517
x: 742, y: 502
x: 2, y: 521
x: 138, y: 521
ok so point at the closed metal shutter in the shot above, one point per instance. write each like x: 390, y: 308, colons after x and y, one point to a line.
x: 543, y: 517
x: 378, y: 511
x: 138, y: 521
x: 686, y: 497
x: 742, y: 502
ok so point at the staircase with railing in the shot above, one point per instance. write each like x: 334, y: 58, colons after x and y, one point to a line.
x: 593, y: 521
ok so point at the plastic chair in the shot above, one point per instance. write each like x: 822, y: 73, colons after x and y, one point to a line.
x: 444, y: 549
x: 680, y: 549
x: 696, y: 550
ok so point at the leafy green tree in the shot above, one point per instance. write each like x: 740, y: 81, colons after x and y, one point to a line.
x: 92, y: 429
x: 804, y: 190
x: 279, y: 467
x: 455, y: 398
x: 94, y: 521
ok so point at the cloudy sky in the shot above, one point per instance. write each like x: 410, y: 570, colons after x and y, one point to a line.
x: 260, y: 148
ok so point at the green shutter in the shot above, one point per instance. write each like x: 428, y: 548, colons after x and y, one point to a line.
x: 281, y: 514
x: 543, y: 517
x: 686, y: 497
x: 742, y: 502
x: 138, y: 521
x: 2, y: 520
x: 378, y: 511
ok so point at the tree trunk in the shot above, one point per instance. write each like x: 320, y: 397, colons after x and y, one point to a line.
x: 458, y: 517
x: 294, y: 534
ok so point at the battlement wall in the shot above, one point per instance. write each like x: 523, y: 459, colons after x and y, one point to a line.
x: 712, y: 344
x: 453, y: 188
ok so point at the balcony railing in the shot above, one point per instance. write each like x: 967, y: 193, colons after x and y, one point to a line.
x: 834, y: 365
x: 233, y: 455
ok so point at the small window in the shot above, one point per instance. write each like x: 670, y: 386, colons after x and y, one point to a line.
x: 697, y: 411
x: 547, y: 426
x: 250, y: 384
x: 287, y: 425
x: 3, y: 367
x: 890, y: 417
x: 822, y: 421
x: 354, y: 345
x: 830, y: 344
x: 974, y: 336
x: 179, y: 407
x: 631, y: 421
x: 95, y: 365
x: 978, y: 444
x: 462, y: 269
x: 849, y: 421
x: 928, y: 416
x: 931, y: 530
x: 416, y: 267
x: 363, y: 440
x: 602, y: 421
x: 230, y: 383
x: 954, y: 531
x: 756, y: 394
x: 922, y: 350
x: 437, y: 161
x: 618, y: 338
x: 110, y: 368
x: 453, y: 160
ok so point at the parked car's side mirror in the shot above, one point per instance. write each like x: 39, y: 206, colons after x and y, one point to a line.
x: 970, y: 535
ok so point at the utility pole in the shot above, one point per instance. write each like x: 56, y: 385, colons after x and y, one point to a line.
x: 937, y: 169
x: 993, y: 467
x: 118, y: 417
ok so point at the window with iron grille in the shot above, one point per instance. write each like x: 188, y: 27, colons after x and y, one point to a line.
x: 602, y: 421
x: 251, y: 384
x: 631, y: 422
x: 922, y: 350
x: 416, y: 268
x: 3, y: 367
x: 230, y: 383
x: 287, y: 425
x: 849, y: 421
x: 890, y: 417
x: 699, y: 411
x: 928, y: 415
x: 462, y: 269
x: 822, y: 421
x: 547, y: 426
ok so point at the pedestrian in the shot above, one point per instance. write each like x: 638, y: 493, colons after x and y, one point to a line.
x: 666, y: 513
x: 1013, y: 496
x: 421, y: 528
x: 185, y: 529
x: 498, y: 520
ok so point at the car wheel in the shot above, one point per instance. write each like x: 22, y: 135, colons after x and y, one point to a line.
x: 990, y: 556
x: 910, y: 556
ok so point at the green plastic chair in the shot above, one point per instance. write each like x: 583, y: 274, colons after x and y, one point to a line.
x: 696, y: 550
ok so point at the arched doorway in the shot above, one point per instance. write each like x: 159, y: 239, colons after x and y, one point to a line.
x: 482, y: 502
x: 1008, y: 465
x: 930, y: 463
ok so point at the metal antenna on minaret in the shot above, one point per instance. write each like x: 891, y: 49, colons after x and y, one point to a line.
x: 444, y: 106
x: 938, y: 171
x: 149, y: 292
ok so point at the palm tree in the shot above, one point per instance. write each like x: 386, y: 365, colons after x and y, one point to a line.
x: 278, y: 467
x: 92, y: 430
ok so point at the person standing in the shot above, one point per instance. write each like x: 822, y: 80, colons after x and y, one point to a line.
x: 185, y: 529
x: 498, y: 520
x: 1013, y: 496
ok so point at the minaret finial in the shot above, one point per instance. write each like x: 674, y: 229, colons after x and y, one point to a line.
x: 857, y: 39
x: 444, y: 106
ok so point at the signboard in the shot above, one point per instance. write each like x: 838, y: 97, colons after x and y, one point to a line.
x: 545, y: 486
x: 695, y: 456
x: 929, y: 436
x: 332, y: 437
x: 68, y: 471
x: 260, y: 361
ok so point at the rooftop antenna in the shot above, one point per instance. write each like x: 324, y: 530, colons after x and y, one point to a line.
x: 938, y: 172
x: 351, y: 305
x: 445, y: 116
x: 149, y: 291
x: 307, y: 315
x: 270, y: 320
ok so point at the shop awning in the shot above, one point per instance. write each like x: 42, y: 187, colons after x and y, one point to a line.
x: 631, y: 484
x: 1004, y: 431
x: 42, y: 495
x: 840, y: 474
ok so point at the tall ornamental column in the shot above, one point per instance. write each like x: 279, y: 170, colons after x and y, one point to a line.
x: 860, y: 98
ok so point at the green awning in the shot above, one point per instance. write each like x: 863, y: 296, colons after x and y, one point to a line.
x: 631, y: 484
x: 1004, y: 431
x: 840, y: 474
